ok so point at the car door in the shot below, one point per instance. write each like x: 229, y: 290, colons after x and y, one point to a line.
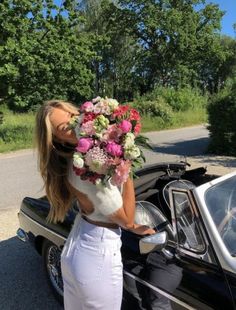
x: 185, y: 274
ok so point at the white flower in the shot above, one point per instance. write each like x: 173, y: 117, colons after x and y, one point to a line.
x: 97, y: 99
x: 132, y: 152
x: 78, y: 162
x: 97, y: 108
x: 113, y: 103
x: 129, y: 140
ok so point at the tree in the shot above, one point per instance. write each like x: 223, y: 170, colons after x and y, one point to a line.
x: 178, y: 40
x: 41, y: 56
x: 117, y: 50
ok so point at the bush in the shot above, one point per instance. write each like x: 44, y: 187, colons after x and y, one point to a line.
x: 16, y: 133
x: 222, y: 120
x: 154, y: 108
x: 181, y: 99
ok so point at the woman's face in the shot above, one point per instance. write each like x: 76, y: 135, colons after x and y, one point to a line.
x: 59, y: 119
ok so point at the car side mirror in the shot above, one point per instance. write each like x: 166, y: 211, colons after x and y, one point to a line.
x: 150, y: 243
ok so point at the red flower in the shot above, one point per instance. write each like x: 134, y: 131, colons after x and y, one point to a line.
x: 89, y: 116
x: 134, y: 115
x: 93, y: 178
x: 137, y: 129
x: 79, y: 171
x: 120, y: 111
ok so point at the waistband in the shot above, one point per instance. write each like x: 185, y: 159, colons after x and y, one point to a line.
x: 100, y: 224
x: 88, y: 230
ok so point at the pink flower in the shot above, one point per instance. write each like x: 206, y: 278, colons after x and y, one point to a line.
x: 96, y: 159
x: 114, y: 149
x: 113, y: 133
x: 125, y: 126
x: 87, y: 128
x: 84, y: 144
x: 121, y: 173
x: 87, y: 107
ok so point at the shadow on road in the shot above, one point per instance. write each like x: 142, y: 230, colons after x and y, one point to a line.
x: 196, y: 148
x: 186, y: 148
x: 23, y: 284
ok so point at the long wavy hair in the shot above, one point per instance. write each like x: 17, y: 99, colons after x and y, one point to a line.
x: 53, y: 158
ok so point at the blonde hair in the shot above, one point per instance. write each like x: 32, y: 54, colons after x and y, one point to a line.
x: 53, y: 160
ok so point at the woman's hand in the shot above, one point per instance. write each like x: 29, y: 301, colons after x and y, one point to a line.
x: 142, y: 230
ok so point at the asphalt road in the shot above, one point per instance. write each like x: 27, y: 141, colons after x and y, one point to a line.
x: 23, y: 285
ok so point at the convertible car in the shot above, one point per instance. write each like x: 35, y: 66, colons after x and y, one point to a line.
x: 190, y: 263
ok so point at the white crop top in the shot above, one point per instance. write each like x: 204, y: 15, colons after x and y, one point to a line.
x: 106, y: 200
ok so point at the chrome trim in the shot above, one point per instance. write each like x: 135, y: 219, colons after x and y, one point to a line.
x: 153, y: 242
x: 46, y: 233
x: 158, y: 290
x: 226, y: 260
x: 22, y: 235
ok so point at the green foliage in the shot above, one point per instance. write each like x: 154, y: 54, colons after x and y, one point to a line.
x: 181, y: 99
x: 42, y: 56
x: 143, y: 141
x: 179, y: 44
x: 222, y: 120
x: 16, y: 133
x: 116, y: 49
x: 157, y: 107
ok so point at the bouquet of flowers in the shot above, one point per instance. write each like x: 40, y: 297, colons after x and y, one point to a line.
x: 108, y: 139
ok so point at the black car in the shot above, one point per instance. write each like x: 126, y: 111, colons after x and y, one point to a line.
x: 190, y: 263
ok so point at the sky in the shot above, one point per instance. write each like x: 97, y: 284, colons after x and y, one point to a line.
x: 230, y: 15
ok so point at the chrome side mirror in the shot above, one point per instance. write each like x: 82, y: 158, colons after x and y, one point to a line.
x: 150, y: 243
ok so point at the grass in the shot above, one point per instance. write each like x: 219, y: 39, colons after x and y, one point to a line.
x: 179, y: 120
x: 17, y: 130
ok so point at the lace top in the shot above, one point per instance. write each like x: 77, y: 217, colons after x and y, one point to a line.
x: 105, y: 200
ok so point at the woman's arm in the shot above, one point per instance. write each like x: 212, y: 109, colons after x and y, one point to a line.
x: 125, y: 215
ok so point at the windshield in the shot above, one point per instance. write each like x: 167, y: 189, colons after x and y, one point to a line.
x: 221, y: 202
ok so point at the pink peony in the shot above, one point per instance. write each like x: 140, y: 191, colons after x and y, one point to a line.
x: 121, y: 173
x: 114, y: 149
x: 87, y: 128
x: 87, y: 107
x: 84, y: 144
x: 125, y: 126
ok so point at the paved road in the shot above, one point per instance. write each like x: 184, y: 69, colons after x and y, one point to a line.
x: 19, y: 176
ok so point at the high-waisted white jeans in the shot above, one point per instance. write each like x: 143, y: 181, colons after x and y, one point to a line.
x: 92, y: 268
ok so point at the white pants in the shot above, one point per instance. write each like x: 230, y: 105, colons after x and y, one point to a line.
x: 92, y: 268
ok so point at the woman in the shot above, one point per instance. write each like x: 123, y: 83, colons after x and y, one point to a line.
x: 91, y: 259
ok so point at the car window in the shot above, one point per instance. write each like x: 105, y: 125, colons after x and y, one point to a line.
x: 188, y: 231
x: 221, y: 203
